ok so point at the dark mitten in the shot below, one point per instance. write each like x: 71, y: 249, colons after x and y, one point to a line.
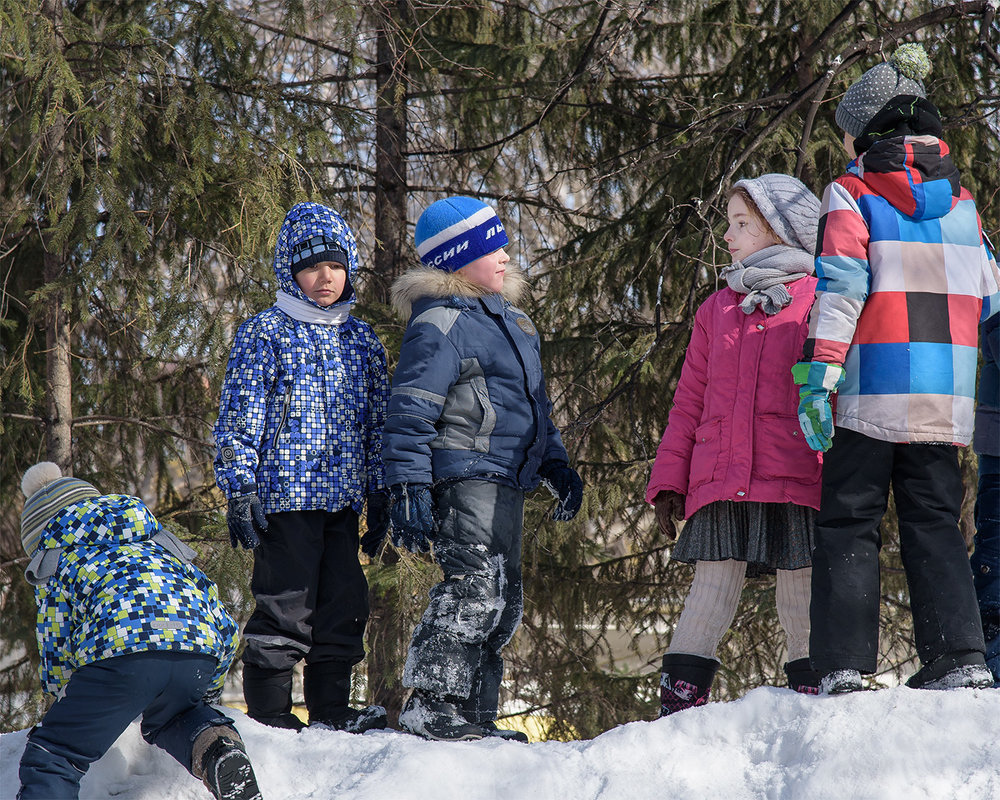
x: 246, y: 521
x: 412, y: 514
x: 669, y: 506
x: 377, y: 518
x: 566, y: 487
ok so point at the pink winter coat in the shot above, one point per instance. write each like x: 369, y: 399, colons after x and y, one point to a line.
x: 733, y: 432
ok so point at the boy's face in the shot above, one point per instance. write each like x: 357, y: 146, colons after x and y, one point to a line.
x: 323, y: 283
x: 487, y: 271
x: 746, y: 233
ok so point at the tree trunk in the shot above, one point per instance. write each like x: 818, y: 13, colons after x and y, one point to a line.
x: 59, y: 397
x: 390, y: 148
x: 387, y: 638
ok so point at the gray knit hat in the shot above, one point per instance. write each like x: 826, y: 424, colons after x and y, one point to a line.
x: 789, y: 207
x: 47, y: 493
x: 901, y: 74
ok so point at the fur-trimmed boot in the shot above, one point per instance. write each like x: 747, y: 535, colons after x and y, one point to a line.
x: 685, y: 681
x: 268, y: 695
x: 802, y: 677
x: 220, y: 760
x: 327, y: 689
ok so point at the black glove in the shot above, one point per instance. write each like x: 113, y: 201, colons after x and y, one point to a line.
x: 246, y: 521
x: 377, y: 517
x: 566, y: 487
x: 412, y: 514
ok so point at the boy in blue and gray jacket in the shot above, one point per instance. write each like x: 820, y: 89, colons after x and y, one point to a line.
x: 468, y: 433
x: 126, y: 626
x: 299, y: 440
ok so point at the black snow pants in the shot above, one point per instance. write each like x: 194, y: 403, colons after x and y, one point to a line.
x: 474, y: 611
x: 927, y: 487
x: 310, y: 590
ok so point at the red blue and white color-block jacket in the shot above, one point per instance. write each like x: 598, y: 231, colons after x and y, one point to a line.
x: 905, y: 277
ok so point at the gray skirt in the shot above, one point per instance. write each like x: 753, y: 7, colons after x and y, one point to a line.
x: 767, y: 536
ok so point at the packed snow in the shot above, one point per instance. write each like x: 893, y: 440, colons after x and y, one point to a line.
x: 890, y: 744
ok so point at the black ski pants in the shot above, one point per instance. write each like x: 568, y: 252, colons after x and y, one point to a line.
x: 310, y: 591
x: 844, y: 611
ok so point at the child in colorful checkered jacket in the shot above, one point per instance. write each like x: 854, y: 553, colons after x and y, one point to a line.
x: 905, y: 277
x: 126, y: 626
x: 299, y: 439
x: 732, y: 459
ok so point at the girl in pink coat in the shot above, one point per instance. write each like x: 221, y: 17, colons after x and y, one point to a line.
x: 733, y: 460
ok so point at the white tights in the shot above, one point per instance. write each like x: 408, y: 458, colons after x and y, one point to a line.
x: 711, y: 605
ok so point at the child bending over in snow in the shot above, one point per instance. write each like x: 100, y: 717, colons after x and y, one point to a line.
x: 732, y: 459
x: 126, y: 626
x: 468, y: 433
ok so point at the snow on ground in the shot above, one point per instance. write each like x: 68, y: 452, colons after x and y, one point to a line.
x: 891, y: 744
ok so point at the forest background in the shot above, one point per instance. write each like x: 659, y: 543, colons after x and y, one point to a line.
x: 149, y: 151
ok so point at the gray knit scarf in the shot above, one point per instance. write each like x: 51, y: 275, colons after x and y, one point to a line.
x: 763, y: 275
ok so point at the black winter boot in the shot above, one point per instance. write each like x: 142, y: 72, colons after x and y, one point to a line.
x: 965, y: 669
x: 504, y: 733
x: 268, y: 695
x: 327, y: 689
x: 220, y: 760
x: 685, y: 681
x: 438, y: 718
x: 802, y: 677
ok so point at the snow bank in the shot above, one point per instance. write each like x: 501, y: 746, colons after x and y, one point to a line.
x: 891, y: 744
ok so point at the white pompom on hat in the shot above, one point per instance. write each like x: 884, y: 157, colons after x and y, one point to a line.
x: 47, y: 493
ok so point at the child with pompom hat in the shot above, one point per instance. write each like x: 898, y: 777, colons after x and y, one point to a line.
x: 127, y: 626
x: 905, y: 275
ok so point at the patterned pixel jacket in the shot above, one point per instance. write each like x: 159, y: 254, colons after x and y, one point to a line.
x: 303, y: 404
x: 904, y: 278
x: 116, y: 591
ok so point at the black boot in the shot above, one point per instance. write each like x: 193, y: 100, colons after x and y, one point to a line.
x: 802, y: 677
x: 964, y: 669
x: 268, y: 695
x: 220, y: 760
x: 439, y: 718
x: 685, y: 681
x: 327, y: 689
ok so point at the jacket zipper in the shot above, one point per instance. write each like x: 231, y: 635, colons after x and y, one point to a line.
x: 284, y: 417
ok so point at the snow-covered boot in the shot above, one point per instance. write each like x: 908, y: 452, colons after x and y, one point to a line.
x: 685, y: 681
x: 962, y: 670
x: 439, y: 718
x: 841, y: 681
x: 268, y: 695
x: 802, y: 677
x: 327, y: 689
x: 220, y: 760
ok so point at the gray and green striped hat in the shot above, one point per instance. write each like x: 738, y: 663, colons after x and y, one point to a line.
x: 46, y: 493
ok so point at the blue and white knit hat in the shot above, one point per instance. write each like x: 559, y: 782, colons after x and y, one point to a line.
x: 47, y: 493
x: 456, y: 231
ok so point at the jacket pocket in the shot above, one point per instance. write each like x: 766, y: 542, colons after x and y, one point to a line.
x: 705, y: 453
x: 781, y: 453
x: 468, y: 418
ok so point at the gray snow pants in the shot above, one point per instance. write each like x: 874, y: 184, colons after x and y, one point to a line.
x: 474, y: 611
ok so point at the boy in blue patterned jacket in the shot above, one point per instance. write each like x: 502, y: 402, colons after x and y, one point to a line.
x: 468, y: 433
x: 126, y: 626
x: 299, y: 440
